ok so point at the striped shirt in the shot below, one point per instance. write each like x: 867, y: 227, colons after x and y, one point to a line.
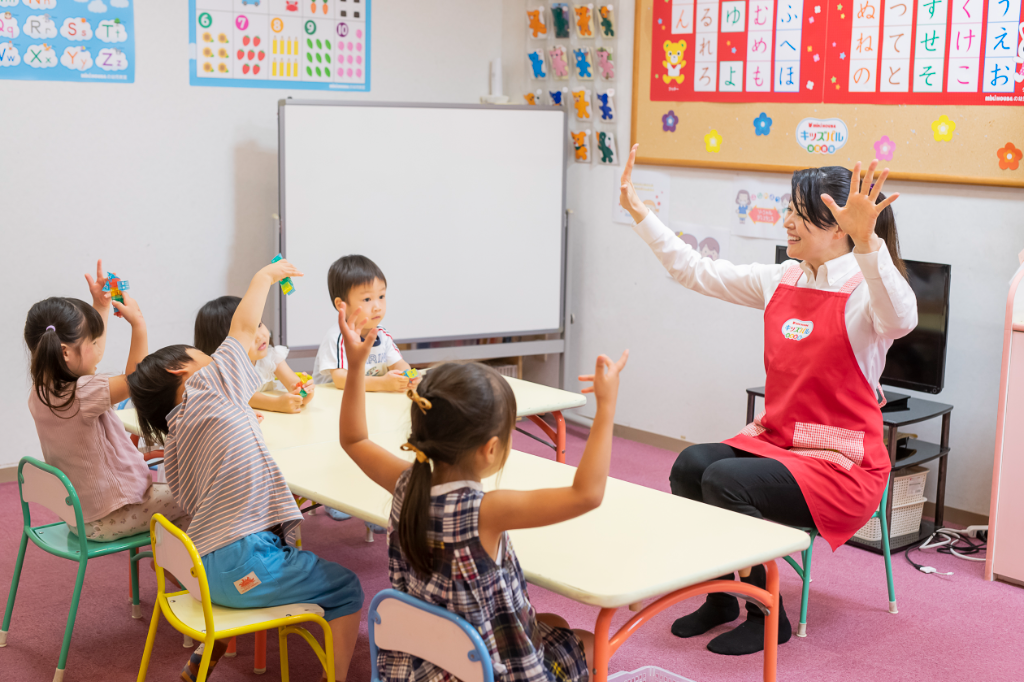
x: 218, y: 467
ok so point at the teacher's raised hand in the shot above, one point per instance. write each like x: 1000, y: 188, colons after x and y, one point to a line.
x: 857, y: 218
x: 627, y: 195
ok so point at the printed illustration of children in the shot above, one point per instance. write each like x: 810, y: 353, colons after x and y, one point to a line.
x: 742, y: 204
x: 688, y: 239
x: 709, y: 248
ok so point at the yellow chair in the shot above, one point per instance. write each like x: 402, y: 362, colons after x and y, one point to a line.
x: 191, y: 612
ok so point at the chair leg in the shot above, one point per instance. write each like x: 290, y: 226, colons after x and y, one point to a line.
x: 204, y: 664
x: 72, y: 613
x: 282, y: 645
x: 133, y: 566
x: 885, y: 551
x: 260, y: 657
x: 150, y: 641
x: 187, y: 642
x: 14, y: 590
x: 806, y: 593
x: 232, y: 649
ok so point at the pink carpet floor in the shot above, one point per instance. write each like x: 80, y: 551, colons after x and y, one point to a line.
x: 955, y: 627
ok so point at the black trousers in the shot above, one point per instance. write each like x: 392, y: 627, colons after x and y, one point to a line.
x: 726, y: 477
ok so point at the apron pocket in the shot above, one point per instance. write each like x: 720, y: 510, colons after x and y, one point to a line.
x: 754, y: 428
x: 831, y: 443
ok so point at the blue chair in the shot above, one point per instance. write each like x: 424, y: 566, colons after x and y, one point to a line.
x: 46, y: 485
x: 804, y: 571
x: 399, y: 622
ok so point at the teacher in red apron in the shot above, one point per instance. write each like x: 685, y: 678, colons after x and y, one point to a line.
x: 814, y: 456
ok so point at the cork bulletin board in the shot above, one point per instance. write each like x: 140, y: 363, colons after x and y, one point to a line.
x: 932, y: 88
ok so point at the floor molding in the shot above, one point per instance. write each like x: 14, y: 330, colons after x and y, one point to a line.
x: 9, y: 474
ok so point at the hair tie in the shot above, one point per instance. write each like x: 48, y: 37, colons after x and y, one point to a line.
x: 420, y: 455
x: 420, y: 401
x: 50, y: 328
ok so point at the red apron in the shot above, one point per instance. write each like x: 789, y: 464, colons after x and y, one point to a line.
x: 822, y: 419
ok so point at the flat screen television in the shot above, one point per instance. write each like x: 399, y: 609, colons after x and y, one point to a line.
x: 918, y: 361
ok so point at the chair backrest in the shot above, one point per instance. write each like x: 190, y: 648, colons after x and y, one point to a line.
x: 173, y: 551
x: 47, y: 485
x: 399, y: 622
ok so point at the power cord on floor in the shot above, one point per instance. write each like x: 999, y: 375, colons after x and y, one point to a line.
x: 959, y: 543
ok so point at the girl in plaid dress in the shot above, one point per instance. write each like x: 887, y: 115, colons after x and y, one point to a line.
x: 447, y: 539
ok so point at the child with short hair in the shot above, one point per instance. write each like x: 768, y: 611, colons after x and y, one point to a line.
x: 212, y: 325
x: 221, y: 472
x: 355, y: 281
x: 72, y: 407
x: 447, y: 539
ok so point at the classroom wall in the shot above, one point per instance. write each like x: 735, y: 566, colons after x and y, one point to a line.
x: 173, y: 185
x: 691, y: 357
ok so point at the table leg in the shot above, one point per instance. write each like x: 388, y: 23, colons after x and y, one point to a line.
x: 556, y: 437
x: 604, y: 646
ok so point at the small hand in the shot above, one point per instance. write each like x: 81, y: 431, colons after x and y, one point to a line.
x: 857, y: 218
x: 396, y: 380
x: 289, y: 403
x: 100, y: 298
x: 281, y: 269
x: 605, y: 378
x: 129, y: 310
x: 309, y: 388
x: 628, y: 198
x: 357, y: 349
x: 259, y: 417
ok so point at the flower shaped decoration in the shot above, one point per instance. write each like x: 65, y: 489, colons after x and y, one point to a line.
x: 713, y: 142
x: 669, y: 122
x: 762, y: 124
x: 884, y: 148
x: 1009, y: 157
x: 810, y: 85
x: 943, y: 129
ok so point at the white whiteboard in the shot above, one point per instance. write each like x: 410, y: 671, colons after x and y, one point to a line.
x: 461, y: 207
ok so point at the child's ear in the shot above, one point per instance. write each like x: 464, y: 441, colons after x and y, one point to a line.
x: 490, y: 451
x: 178, y: 372
x: 337, y: 303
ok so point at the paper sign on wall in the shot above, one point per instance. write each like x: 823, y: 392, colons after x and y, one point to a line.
x: 653, y: 189
x: 306, y: 44
x: 44, y: 40
x: 758, y: 209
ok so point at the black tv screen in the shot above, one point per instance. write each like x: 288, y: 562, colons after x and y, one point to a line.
x: 918, y: 360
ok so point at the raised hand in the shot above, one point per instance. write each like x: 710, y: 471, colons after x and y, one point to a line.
x: 357, y: 349
x: 281, y: 269
x: 129, y: 310
x: 100, y: 298
x: 605, y: 378
x: 628, y: 198
x: 857, y: 218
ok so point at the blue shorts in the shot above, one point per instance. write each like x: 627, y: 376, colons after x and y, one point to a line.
x: 260, y: 570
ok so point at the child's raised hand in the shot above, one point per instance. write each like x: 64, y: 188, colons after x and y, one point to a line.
x: 857, y: 218
x: 129, y: 310
x: 357, y: 349
x: 100, y: 298
x: 605, y: 378
x: 281, y: 269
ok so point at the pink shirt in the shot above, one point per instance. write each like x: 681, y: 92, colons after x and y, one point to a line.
x: 89, y: 444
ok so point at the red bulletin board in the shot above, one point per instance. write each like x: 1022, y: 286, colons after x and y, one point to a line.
x: 881, y: 67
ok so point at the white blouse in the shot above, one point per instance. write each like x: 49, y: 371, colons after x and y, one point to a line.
x: 882, y: 310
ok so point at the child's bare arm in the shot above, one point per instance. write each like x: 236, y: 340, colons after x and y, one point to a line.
x: 392, y: 381
x: 503, y: 510
x: 250, y: 310
x: 293, y: 383
x: 382, y: 467
x: 288, y: 403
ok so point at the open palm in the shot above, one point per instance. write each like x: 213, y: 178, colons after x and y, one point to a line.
x: 857, y: 219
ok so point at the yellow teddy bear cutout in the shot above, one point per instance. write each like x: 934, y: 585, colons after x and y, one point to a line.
x: 674, y: 61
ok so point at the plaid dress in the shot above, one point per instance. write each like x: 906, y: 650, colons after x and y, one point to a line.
x: 490, y: 597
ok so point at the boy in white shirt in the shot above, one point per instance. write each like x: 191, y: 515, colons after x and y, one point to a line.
x: 357, y: 282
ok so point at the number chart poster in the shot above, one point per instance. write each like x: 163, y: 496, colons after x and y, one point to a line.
x: 305, y: 44
x: 965, y: 52
x: 67, y: 40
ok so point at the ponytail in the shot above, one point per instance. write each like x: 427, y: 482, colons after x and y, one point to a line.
x: 810, y: 183
x: 50, y: 325
x: 456, y: 409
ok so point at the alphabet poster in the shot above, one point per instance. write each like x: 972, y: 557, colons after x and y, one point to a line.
x: 305, y: 44
x: 67, y: 40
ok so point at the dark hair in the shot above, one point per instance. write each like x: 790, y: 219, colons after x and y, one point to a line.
x: 154, y: 389
x: 73, y: 321
x: 808, y: 186
x: 213, y: 322
x: 470, y: 404
x: 351, y: 271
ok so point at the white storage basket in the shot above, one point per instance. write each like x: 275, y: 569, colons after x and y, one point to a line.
x: 906, y: 519
x: 909, y: 487
x: 648, y: 673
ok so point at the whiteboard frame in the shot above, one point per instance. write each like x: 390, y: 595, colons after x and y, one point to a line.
x: 501, y: 350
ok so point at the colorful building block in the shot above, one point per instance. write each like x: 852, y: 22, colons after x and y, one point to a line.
x: 115, y: 285
x: 286, y: 284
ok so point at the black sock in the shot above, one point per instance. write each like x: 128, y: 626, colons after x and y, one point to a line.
x: 748, y: 638
x: 717, y: 609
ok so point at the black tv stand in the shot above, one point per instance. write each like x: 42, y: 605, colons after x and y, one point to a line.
x: 896, y: 402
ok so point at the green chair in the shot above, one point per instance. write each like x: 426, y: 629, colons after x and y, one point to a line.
x: 46, y: 485
x: 804, y: 571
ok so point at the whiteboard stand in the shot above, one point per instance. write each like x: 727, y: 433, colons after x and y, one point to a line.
x: 517, y: 189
